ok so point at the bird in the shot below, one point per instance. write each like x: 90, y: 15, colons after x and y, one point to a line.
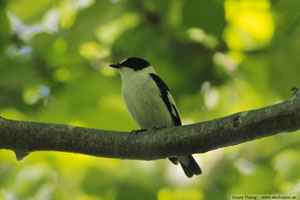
x: 150, y: 103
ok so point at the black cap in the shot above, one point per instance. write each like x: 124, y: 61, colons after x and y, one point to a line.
x: 133, y: 63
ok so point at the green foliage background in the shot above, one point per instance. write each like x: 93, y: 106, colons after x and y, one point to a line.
x: 218, y: 57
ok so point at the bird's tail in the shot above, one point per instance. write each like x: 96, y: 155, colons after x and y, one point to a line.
x: 188, y: 164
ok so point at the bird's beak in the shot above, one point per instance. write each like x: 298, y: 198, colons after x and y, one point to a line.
x: 117, y: 66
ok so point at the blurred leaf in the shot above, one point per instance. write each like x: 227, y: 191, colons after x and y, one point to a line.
x: 5, y: 30
x: 207, y: 15
x: 262, y: 182
x: 286, y: 164
x: 30, y: 11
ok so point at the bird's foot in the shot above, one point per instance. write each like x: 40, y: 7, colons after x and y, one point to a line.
x: 157, y: 128
x: 138, y: 131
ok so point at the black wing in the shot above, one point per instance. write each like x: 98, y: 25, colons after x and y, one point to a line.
x: 167, y: 98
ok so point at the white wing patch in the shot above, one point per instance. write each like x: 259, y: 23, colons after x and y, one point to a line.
x: 167, y: 98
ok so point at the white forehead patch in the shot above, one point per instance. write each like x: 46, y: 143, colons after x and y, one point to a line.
x: 124, y: 60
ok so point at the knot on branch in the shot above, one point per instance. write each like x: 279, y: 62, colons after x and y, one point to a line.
x: 236, y: 120
x: 295, y: 91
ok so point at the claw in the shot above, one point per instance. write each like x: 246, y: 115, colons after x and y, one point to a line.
x: 157, y: 128
x: 138, y: 131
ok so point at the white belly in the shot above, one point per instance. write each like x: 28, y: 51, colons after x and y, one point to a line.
x: 143, y: 101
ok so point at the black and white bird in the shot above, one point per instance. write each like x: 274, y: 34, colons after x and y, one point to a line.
x: 150, y: 103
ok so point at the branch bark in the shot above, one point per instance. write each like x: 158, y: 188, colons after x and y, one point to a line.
x: 21, y: 136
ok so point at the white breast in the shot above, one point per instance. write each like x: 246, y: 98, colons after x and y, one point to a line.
x: 143, y: 101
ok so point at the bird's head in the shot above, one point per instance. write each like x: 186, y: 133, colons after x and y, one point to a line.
x: 133, y: 65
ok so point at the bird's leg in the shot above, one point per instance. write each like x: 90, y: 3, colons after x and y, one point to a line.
x: 138, y: 131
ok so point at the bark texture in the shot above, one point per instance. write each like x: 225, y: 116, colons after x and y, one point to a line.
x: 25, y: 137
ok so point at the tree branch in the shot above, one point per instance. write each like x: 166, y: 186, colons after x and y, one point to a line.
x: 21, y: 136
